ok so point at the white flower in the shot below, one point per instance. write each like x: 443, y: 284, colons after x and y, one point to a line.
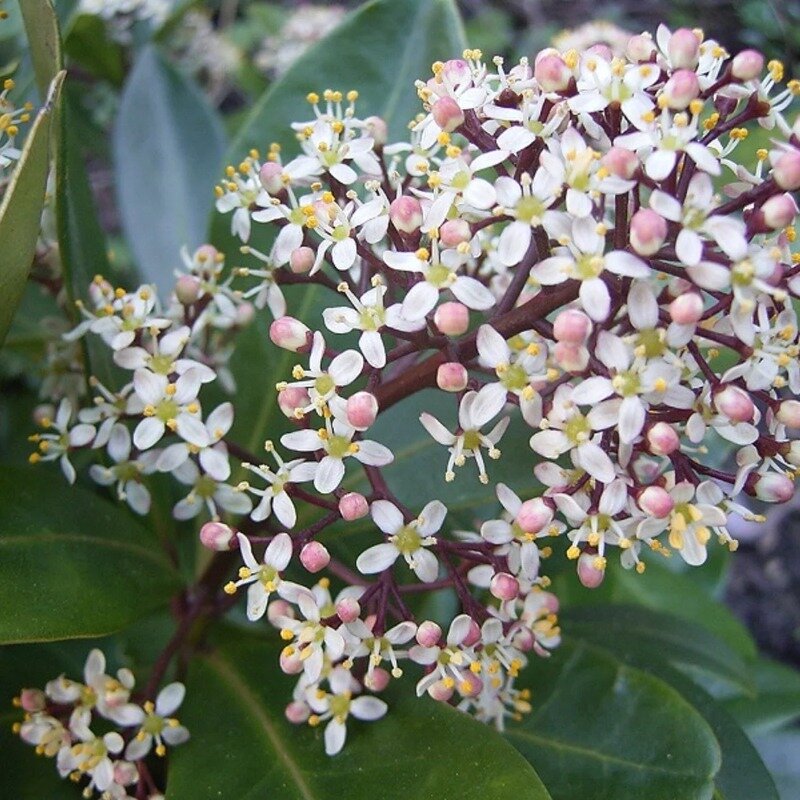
x: 475, y: 410
x: 448, y: 662
x: 163, y: 357
x: 407, y: 540
x: 378, y: 648
x: 158, y: 724
x: 208, y: 493
x: 339, y: 704
x: 57, y: 445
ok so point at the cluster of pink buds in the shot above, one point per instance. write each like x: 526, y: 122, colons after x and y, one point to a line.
x: 568, y: 247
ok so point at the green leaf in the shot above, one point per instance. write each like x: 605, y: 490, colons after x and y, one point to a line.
x: 242, y: 747
x: 87, y: 42
x: 80, y: 238
x: 777, y: 699
x: 44, y: 41
x: 601, y: 730
x: 742, y: 775
x: 21, y: 209
x: 71, y: 564
x: 168, y: 147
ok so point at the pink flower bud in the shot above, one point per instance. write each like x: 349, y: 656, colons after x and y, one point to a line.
x: 735, y: 404
x: 301, y: 260
x: 779, y: 211
x: 621, y: 163
x: 429, y: 634
x: 290, y: 661
x: 681, y: 89
x: 279, y: 608
x: 353, y: 506
x: 588, y: 573
x: 291, y: 399
x: 451, y: 377
x: 656, y: 502
x: 571, y: 357
x: 440, y: 691
x: 406, y: 214
x: 470, y: 684
x: 786, y: 170
x: 773, y: 488
x: 640, y: 48
x: 348, y: 609
x: 187, y: 289
x: 456, y: 70
x: 747, y: 65
x: 244, y: 314
x: 206, y: 253
x: 551, y: 602
x: 572, y: 327
x: 473, y: 635
x: 789, y: 413
x: 551, y: 73
x: 683, y: 49
x: 32, y: 700
x: 524, y: 639
x: 648, y: 231
x: 377, y: 680
x: 454, y: 232
x: 289, y: 333
x: 297, y: 713
x: 534, y: 515
x: 270, y: 177
x: 377, y: 129
x: 217, y: 536
x: 361, y: 410
x: 447, y: 114
x: 504, y: 586
x: 686, y: 309
x: 314, y: 556
x: 452, y: 318
x: 601, y: 50
x: 663, y: 439
x: 45, y: 411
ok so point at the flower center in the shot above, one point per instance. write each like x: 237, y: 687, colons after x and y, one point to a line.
x: 338, y: 446
x: 408, y: 540
x: 514, y: 378
x: 577, y: 429
x: 324, y: 384
x: 472, y: 440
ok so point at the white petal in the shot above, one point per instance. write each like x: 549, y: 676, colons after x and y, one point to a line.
x: 377, y: 558
x: 387, y: 516
x: 329, y: 474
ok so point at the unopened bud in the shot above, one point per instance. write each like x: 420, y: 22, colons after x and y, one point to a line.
x: 377, y: 680
x: 361, y: 410
x: 683, y: 49
x: 290, y: 661
x: 680, y: 89
x: 621, y: 163
x: 551, y: 73
x: 662, y: 439
x: 452, y: 377
x: 773, y: 488
x: 301, y: 260
x: 571, y: 357
x: 293, y: 398
x: 640, y: 48
x: 648, y: 231
x: 406, y: 214
x: 289, y: 333
x: 217, y: 536
x: 789, y: 413
x: 353, y: 506
x: 32, y: 700
x: 747, y: 65
x: 588, y: 572
x: 779, y: 211
x: 447, y: 114
x: 297, y: 713
x: 270, y: 177
x: 279, y: 608
x: 686, y: 309
x: 473, y: 634
x: 187, y: 289
x: 735, y: 404
x: 786, y: 170
x: 377, y: 129
x: 656, y: 502
x: 429, y: 634
x: 440, y: 691
x: 452, y: 318
x: 45, y: 411
x: 454, y: 232
x: 314, y: 556
x: 534, y: 515
x: 348, y: 609
x: 572, y: 327
x: 504, y: 586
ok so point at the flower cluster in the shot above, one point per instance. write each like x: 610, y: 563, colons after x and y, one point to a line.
x: 58, y: 723
x: 121, y: 15
x: 569, y: 266
x: 10, y: 119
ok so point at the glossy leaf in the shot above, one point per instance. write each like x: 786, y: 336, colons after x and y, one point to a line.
x: 601, y: 730
x: 41, y: 25
x: 742, y: 775
x: 653, y: 637
x: 168, y: 147
x: 71, y: 564
x: 87, y: 42
x: 243, y: 747
x: 21, y: 209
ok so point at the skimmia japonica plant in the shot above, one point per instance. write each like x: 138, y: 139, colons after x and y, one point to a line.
x: 569, y: 246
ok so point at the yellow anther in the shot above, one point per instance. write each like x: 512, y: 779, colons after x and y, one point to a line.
x: 313, y: 98
x: 422, y: 254
x: 286, y: 635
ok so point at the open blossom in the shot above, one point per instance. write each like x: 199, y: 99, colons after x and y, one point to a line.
x: 60, y: 438
x: 475, y: 410
x: 408, y: 540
